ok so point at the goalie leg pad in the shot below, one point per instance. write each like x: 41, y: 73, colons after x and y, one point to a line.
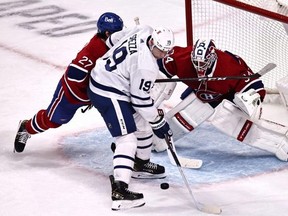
x: 183, y: 118
x: 187, y: 115
x: 233, y: 122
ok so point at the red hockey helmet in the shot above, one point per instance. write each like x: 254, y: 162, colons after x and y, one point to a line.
x: 203, y: 56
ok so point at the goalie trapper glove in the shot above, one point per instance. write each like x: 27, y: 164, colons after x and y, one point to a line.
x: 247, y: 101
x: 160, y: 126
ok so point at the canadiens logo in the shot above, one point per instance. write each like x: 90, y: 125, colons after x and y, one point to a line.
x: 208, y: 96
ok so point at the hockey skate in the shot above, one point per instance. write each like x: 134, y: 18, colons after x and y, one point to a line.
x: 144, y: 169
x: 122, y: 198
x: 21, y: 137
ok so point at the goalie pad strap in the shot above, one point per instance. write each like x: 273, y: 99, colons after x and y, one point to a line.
x: 183, y: 122
x: 244, y: 131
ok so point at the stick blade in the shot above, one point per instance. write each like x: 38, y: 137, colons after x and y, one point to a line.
x: 210, y: 209
x: 190, y: 163
x: 267, y: 68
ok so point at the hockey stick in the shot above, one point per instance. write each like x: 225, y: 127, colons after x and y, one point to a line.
x: 185, y: 162
x: 201, y: 207
x: 263, y: 71
x: 137, y: 21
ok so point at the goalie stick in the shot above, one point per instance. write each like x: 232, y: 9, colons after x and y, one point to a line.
x: 210, y: 209
x: 260, y: 73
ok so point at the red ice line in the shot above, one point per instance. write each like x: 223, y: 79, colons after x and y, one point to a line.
x: 32, y: 57
x: 42, y: 61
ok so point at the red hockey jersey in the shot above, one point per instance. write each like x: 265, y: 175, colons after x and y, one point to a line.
x: 76, y: 78
x: 227, y: 64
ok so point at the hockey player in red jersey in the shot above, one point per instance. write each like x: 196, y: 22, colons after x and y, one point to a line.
x: 232, y: 106
x: 206, y: 60
x: 70, y: 93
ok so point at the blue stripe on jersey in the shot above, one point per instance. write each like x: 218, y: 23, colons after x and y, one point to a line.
x: 186, y: 92
x: 142, y: 99
x: 35, y: 125
x: 143, y: 105
x: 162, y: 68
x: 255, y: 84
x: 110, y: 43
x: 106, y: 88
x: 76, y: 74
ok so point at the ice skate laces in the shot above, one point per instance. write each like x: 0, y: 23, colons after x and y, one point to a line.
x: 23, y: 136
x: 150, y: 165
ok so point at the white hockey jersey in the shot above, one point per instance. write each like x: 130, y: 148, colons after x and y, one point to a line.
x: 128, y: 71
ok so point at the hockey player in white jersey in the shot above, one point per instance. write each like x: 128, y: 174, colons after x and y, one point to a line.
x: 119, y: 88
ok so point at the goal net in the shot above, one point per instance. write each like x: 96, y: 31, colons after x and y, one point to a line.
x: 256, y: 30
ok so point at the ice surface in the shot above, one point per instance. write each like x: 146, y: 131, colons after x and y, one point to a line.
x: 65, y: 171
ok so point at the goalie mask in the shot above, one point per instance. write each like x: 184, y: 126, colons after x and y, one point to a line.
x: 203, y: 56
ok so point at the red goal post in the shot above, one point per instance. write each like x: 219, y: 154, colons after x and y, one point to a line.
x: 256, y: 30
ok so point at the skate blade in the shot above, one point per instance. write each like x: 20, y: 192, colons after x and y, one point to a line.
x: 145, y: 175
x: 127, y: 204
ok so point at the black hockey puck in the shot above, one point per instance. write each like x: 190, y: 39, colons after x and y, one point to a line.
x: 113, y: 147
x: 164, y: 186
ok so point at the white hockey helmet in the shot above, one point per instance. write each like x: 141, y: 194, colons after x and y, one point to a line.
x: 163, y: 38
x: 203, y: 56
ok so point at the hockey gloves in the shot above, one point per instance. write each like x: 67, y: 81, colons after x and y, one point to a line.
x: 160, y: 127
x: 247, y: 101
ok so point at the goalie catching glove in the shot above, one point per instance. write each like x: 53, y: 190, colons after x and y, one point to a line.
x: 160, y: 126
x: 247, y: 101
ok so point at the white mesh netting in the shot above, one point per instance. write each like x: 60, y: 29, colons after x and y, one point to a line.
x: 257, y: 39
